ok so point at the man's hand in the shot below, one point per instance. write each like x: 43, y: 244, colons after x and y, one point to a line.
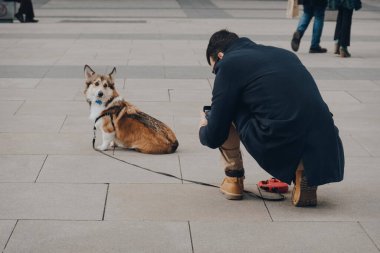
x: 203, y: 120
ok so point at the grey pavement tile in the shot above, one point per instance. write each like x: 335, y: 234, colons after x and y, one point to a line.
x: 75, y: 84
x: 77, y: 124
x: 52, y: 201
x: 45, y: 143
x: 189, y: 144
x: 373, y: 230
x: 347, y: 85
x: 96, y: 237
x: 353, y: 147
x: 54, y: 94
x: 338, y: 97
x: 179, y: 202
x: 24, y: 83
x: 10, y: 107
x: 352, y: 125
x: 20, y: 168
x: 177, y: 109
x: 153, y: 95
x: 367, y: 97
x: 102, y: 169
x: 201, y: 96
x: 54, y: 108
x: 356, y: 111
x: 172, y: 84
x: 290, y: 237
x: 23, y: 71
x: 6, y: 228
x: 188, y: 72
x: 31, y: 124
x: 186, y: 125
x: 369, y: 140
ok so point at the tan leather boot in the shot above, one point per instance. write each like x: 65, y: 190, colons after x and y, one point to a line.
x: 233, y: 187
x: 303, y: 194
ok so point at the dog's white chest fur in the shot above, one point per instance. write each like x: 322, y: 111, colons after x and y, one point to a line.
x: 96, y: 110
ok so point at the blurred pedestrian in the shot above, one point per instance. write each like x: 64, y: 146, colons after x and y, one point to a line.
x: 316, y: 9
x: 26, y: 8
x: 342, y: 33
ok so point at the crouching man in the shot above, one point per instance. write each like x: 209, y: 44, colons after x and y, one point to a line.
x: 265, y: 98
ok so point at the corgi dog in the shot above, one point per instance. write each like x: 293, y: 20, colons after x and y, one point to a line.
x: 121, y: 123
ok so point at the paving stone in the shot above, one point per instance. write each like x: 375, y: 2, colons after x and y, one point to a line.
x: 373, y: 230
x: 45, y: 143
x: 25, y: 83
x: 102, y: 169
x: 289, y: 237
x: 52, y: 201
x: 178, y: 202
x: 96, y: 236
x: 20, y: 168
x: 8, y: 108
x: 6, y: 227
x: 31, y: 124
x: 54, y: 108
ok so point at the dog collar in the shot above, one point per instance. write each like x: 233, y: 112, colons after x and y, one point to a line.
x: 99, y: 102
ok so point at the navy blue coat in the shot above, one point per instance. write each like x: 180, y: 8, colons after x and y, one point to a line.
x: 278, y: 111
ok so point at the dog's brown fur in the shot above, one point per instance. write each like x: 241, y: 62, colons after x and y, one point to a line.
x: 131, y: 127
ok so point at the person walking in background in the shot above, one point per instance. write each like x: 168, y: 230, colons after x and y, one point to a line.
x: 342, y: 33
x: 26, y: 8
x: 316, y: 9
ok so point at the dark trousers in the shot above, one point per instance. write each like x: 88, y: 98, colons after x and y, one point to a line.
x: 26, y: 7
x: 343, y: 27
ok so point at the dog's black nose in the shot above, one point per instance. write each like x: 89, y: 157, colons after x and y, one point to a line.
x: 100, y: 94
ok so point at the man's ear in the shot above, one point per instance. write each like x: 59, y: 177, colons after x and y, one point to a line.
x: 88, y: 72
x: 220, y: 55
x: 113, y: 72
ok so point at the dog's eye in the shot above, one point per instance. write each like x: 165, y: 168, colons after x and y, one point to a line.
x: 97, y: 84
x: 105, y: 85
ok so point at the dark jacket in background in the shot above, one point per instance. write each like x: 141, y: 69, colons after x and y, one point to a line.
x: 317, y: 3
x: 348, y: 4
x: 278, y: 111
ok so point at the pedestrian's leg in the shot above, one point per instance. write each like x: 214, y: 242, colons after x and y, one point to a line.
x: 232, y: 186
x: 345, y: 32
x: 29, y: 12
x: 301, y: 28
x: 319, y: 17
x: 305, y: 19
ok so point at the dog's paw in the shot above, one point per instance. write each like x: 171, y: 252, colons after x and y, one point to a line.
x: 102, y: 147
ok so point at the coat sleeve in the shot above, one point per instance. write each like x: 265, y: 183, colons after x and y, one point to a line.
x: 225, y: 98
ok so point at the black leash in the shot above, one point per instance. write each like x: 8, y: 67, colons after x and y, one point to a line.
x: 261, y: 195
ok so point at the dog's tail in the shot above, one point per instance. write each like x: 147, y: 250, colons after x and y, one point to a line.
x: 174, y: 146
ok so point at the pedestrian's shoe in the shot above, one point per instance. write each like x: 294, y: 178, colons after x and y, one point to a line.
x: 296, y: 40
x: 233, y: 187
x: 344, y: 52
x: 31, y: 20
x: 303, y: 194
x: 20, y: 17
x: 317, y: 50
x: 336, y: 49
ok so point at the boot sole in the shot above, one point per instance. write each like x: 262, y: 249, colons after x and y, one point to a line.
x: 231, y: 196
x: 304, y: 195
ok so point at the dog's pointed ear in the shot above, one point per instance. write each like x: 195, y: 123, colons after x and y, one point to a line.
x: 113, y: 72
x: 88, y: 72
